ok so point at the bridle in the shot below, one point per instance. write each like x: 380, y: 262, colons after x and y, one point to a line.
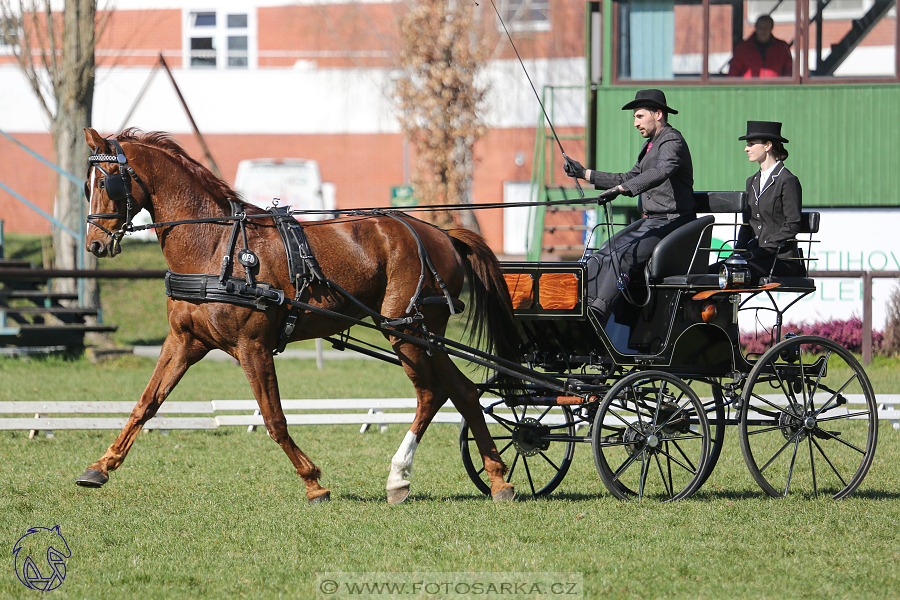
x: 118, y: 189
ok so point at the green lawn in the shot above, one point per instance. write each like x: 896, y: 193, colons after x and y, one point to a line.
x: 220, y: 514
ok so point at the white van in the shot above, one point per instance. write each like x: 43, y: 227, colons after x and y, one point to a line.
x: 294, y: 182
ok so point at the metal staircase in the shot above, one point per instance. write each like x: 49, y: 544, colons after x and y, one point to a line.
x: 34, y: 319
x: 559, y: 232
x: 859, y: 30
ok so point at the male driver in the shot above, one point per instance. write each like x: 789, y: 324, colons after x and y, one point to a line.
x: 664, y: 177
x: 762, y: 54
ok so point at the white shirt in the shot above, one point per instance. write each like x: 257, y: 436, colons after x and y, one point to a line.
x: 764, y: 176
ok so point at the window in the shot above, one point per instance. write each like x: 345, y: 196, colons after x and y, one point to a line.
x: 9, y: 31
x: 525, y: 15
x: 220, y: 39
x: 710, y: 40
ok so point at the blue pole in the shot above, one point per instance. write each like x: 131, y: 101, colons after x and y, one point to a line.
x: 76, y: 180
x: 50, y: 218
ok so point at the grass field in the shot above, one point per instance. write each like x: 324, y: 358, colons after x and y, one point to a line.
x: 196, y: 514
x: 221, y: 514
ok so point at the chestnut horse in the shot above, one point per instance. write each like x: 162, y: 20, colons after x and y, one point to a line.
x: 373, y: 258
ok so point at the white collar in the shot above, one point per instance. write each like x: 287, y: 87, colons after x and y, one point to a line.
x: 765, y: 175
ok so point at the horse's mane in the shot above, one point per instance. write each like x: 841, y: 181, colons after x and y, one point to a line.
x: 165, y: 142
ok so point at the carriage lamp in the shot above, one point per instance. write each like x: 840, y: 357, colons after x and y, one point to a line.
x: 734, y: 273
x: 709, y: 312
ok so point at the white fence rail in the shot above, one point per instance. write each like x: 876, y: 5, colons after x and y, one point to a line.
x: 245, y: 413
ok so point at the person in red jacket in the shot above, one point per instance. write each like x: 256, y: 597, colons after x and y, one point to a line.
x: 762, y: 54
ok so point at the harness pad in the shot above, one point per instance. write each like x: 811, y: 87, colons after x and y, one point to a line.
x: 208, y: 288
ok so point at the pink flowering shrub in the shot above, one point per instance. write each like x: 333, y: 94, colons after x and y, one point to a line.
x: 846, y: 333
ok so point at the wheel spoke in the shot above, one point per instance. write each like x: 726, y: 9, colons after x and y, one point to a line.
x: 787, y: 485
x: 785, y: 389
x: 849, y: 415
x: 663, y: 477
x: 513, y: 467
x: 831, y: 436
x: 786, y: 444
x: 528, y: 473
x: 692, y: 469
x: 628, y: 462
x: 644, y: 470
x: 776, y: 407
x: 768, y: 429
x: 812, y: 466
x: 836, y: 394
x: 830, y: 464
x: 550, y: 462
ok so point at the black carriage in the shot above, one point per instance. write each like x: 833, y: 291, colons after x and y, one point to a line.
x: 653, y: 391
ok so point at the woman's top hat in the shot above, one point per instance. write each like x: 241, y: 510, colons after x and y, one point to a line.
x: 654, y: 99
x: 767, y: 131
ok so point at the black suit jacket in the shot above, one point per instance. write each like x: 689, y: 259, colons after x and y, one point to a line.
x: 773, y: 214
x: 664, y: 175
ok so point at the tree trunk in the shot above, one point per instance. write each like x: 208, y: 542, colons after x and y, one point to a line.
x: 75, y: 96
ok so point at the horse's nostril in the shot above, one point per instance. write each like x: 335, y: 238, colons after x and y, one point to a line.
x: 96, y: 248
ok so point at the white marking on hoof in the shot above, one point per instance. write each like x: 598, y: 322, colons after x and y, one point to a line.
x: 401, y: 464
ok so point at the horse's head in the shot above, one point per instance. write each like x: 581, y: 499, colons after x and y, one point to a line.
x: 112, y: 195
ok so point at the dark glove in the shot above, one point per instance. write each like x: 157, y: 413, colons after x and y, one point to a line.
x: 574, y: 168
x: 609, y: 195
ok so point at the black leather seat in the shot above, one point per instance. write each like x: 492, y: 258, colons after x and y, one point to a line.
x: 790, y: 251
x: 683, y: 252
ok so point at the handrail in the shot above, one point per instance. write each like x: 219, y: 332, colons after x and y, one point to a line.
x: 867, y: 277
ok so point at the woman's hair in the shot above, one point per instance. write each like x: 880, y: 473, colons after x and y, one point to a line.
x: 779, y: 151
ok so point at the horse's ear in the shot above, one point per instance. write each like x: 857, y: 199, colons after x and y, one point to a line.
x: 94, y: 139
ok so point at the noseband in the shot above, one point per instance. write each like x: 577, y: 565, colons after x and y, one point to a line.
x: 118, y: 189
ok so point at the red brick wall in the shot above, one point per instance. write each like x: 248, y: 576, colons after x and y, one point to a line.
x: 135, y: 37
x: 364, y: 168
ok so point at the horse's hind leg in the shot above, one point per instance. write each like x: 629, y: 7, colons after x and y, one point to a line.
x: 436, y: 378
x: 176, y: 356
x: 465, y: 397
x: 260, y: 370
x: 430, y: 396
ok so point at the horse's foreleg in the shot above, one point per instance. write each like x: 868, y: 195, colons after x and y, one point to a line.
x: 430, y: 396
x: 465, y: 397
x: 174, y: 359
x: 260, y: 370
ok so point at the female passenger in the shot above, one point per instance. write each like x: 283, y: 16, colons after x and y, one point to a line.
x: 772, y: 216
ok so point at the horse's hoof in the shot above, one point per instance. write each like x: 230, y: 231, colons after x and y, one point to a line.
x: 321, y: 499
x: 397, y: 496
x: 92, y: 478
x: 504, y: 494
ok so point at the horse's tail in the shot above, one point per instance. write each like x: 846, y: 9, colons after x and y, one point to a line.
x: 491, y: 324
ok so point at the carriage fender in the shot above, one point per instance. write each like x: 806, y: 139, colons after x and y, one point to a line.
x: 703, y: 344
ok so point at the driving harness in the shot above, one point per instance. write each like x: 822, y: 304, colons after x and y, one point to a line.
x: 304, y: 270
x: 258, y: 295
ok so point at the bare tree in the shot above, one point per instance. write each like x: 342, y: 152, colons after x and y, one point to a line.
x: 439, y: 100
x: 55, y: 51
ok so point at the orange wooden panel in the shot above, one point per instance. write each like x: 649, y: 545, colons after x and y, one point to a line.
x: 559, y: 291
x: 521, y: 289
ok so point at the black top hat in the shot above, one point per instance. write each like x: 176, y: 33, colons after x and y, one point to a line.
x: 767, y: 131
x: 654, y: 99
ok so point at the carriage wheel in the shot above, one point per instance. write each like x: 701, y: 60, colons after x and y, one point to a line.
x: 535, y: 442
x: 809, y: 422
x: 651, y: 438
